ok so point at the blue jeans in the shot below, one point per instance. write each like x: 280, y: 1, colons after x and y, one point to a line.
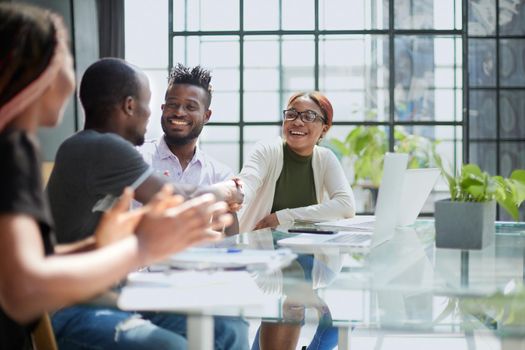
x: 88, y: 328
x: 326, y: 335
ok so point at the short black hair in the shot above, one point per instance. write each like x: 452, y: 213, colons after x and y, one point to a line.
x: 198, y: 76
x: 104, y: 86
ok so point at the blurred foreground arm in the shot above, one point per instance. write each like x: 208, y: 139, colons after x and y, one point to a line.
x: 32, y: 283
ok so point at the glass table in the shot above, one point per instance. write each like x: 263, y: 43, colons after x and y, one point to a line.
x: 403, y: 285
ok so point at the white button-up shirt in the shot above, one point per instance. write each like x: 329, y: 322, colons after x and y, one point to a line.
x: 202, y: 170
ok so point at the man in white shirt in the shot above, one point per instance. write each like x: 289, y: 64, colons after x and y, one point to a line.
x: 184, y: 113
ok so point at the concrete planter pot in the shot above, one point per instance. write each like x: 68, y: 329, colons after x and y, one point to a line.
x: 464, y: 225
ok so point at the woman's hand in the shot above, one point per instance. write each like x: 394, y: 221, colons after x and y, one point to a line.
x: 118, y: 222
x: 268, y: 221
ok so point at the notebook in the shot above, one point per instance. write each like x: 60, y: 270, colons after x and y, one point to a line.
x: 388, y: 204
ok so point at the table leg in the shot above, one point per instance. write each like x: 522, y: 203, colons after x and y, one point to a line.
x: 344, y: 338
x: 200, y: 332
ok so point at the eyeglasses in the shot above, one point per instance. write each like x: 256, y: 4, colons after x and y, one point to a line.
x: 307, y: 116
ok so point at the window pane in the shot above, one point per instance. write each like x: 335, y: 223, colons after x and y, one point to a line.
x: 424, y: 14
x: 481, y: 17
x: 254, y: 134
x: 449, y: 147
x: 298, y: 14
x: 482, y: 62
x: 482, y: 114
x: 425, y: 84
x: 140, y: 43
x: 214, y: 52
x: 261, y: 15
x: 274, y: 67
x: 418, y: 142
x: 512, y: 114
x: 222, y: 143
x: 261, y: 63
x: 262, y: 107
x: 512, y: 156
x: 357, y: 14
x: 298, y: 63
x: 484, y: 155
x: 219, y: 54
x: 511, y: 18
x: 353, y: 72
x: 203, y: 15
x: 512, y: 62
x: 225, y: 107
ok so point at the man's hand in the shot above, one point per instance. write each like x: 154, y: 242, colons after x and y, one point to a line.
x: 229, y: 191
x: 118, y: 222
x: 171, y: 225
x: 268, y: 221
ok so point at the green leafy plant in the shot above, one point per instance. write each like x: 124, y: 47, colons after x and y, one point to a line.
x: 366, y: 147
x: 474, y: 185
x: 421, y: 150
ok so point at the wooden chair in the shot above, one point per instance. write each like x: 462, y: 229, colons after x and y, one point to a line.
x: 43, y: 336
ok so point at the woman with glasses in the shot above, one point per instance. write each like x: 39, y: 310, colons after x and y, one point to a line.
x: 291, y: 178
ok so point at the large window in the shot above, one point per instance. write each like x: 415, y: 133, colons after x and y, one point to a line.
x: 496, y: 86
x: 386, y: 63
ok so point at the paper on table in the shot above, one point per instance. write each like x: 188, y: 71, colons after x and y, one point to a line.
x: 358, y: 222
x: 188, y: 290
x: 231, y: 258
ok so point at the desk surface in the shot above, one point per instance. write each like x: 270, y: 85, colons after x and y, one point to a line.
x: 403, y: 284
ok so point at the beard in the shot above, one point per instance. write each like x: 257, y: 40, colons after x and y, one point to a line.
x: 139, y: 140
x: 178, y: 140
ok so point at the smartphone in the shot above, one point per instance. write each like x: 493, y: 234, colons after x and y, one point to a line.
x: 310, y: 230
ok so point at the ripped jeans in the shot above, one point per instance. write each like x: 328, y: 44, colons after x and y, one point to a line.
x: 88, y: 328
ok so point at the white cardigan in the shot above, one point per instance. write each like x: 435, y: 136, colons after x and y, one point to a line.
x: 261, y: 172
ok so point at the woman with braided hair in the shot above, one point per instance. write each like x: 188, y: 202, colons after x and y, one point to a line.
x: 36, y: 80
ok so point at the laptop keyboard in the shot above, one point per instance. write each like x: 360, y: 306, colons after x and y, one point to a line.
x: 353, y: 238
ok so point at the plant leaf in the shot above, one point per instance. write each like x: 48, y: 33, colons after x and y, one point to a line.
x: 508, y: 204
x: 339, y: 147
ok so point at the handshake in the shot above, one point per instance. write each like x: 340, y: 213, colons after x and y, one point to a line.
x: 169, y: 223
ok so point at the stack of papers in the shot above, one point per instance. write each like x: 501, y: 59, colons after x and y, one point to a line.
x: 358, y: 223
x: 232, y: 259
x: 189, y: 291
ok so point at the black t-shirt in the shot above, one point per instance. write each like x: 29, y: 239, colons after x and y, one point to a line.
x: 21, y: 193
x: 91, y: 171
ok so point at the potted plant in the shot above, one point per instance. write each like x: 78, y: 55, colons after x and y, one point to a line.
x: 466, y: 220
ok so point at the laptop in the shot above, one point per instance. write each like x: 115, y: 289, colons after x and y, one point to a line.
x: 417, y: 185
x: 386, y: 213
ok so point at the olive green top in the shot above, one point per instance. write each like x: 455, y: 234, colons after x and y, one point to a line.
x: 295, y: 186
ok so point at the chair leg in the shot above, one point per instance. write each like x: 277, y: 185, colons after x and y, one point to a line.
x: 43, y: 336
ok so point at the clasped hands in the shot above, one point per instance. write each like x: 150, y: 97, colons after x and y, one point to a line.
x: 229, y: 191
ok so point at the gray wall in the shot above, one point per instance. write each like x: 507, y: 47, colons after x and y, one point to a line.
x: 80, y: 17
